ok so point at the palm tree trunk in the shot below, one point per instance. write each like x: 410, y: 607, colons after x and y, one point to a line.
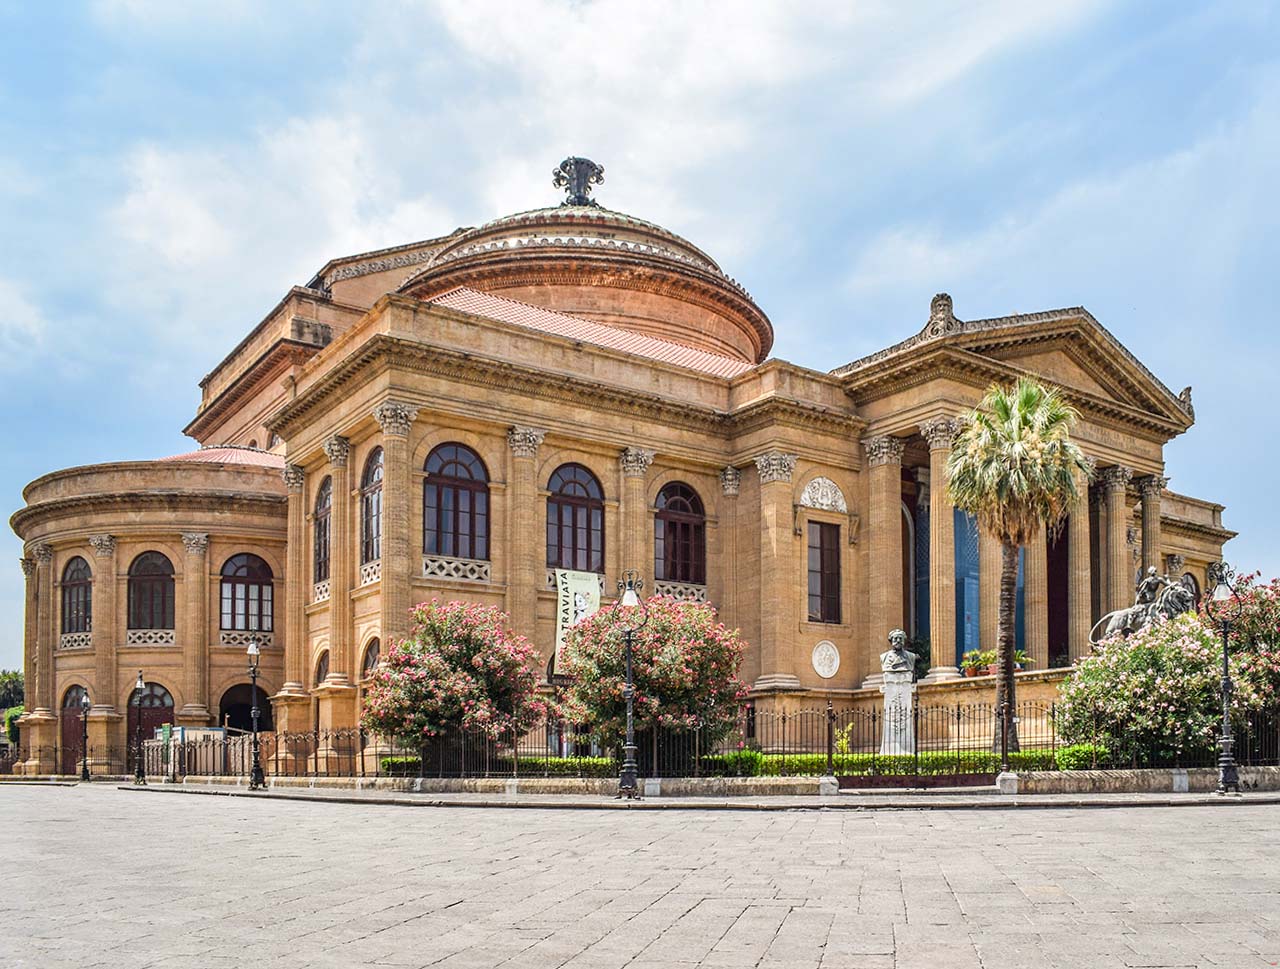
x: 1006, y: 697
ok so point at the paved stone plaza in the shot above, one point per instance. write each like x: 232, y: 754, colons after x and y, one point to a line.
x: 102, y: 877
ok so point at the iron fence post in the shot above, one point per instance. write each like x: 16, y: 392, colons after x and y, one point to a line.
x: 915, y: 738
x: 831, y: 740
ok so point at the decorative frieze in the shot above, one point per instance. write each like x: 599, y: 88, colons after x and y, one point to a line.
x: 104, y: 546
x: 371, y: 572
x: 775, y: 466
x: 337, y: 449
x: 241, y: 638
x: 635, y: 461
x: 825, y: 495
x: 294, y: 478
x: 730, y: 481
x: 463, y: 570
x: 940, y: 432
x: 1115, y: 478
x: 149, y: 637
x: 524, y: 441
x: 395, y: 418
x: 681, y: 591
x: 197, y: 543
x: 884, y: 449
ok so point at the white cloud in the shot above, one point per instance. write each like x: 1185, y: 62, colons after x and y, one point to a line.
x: 23, y: 325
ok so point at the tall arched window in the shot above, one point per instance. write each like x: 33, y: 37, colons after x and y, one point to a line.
x: 247, y: 594
x: 322, y: 668
x: 575, y: 520
x: 680, y: 536
x: 455, y: 504
x: 371, y: 508
x: 372, y: 653
x: 324, y: 505
x: 151, y: 592
x: 77, y: 597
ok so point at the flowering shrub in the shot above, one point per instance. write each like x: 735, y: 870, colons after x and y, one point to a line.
x: 1155, y: 697
x: 461, y: 667
x: 684, y: 666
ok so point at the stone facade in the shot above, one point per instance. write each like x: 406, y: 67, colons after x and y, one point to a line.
x: 585, y: 337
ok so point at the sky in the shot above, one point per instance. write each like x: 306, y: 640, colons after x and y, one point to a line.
x: 169, y: 170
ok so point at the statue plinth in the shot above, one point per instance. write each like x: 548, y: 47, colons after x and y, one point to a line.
x: 898, y: 736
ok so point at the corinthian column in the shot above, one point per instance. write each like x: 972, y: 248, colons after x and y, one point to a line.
x: 1079, y: 574
x: 396, y: 419
x: 195, y: 627
x: 635, y: 462
x: 29, y: 628
x: 1151, y: 488
x: 45, y: 631
x: 1036, y: 587
x: 884, y: 459
x: 726, y: 565
x: 342, y: 555
x: 780, y: 581
x: 1120, y: 577
x: 940, y: 433
x: 297, y: 584
x: 105, y: 645
x: 524, y: 564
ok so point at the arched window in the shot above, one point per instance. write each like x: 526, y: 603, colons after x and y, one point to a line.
x: 247, y: 594
x: 680, y: 536
x: 455, y: 504
x: 372, y: 653
x: 322, y: 668
x: 77, y: 597
x: 151, y: 592
x: 371, y: 508
x: 1193, y: 585
x: 324, y: 505
x: 74, y: 698
x: 575, y: 520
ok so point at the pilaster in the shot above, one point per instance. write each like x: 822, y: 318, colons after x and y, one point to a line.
x: 297, y: 588
x: 524, y: 529
x: 396, y: 420
x: 105, y: 622
x: 342, y: 559
x: 989, y: 552
x: 940, y: 433
x: 195, y: 628
x: 778, y: 581
x: 730, y: 485
x: 40, y: 726
x: 884, y: 461
x: 635, y: 462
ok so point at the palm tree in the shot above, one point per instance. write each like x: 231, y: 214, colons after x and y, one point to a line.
x: 1014, y: 468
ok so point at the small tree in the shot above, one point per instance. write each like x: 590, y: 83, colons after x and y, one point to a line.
x: 685, y: 669
x: 1014, y: 468
x: 10, y: 688
x: 460, y: 668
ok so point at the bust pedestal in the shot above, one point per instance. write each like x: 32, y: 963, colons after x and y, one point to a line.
x: 899, y: 729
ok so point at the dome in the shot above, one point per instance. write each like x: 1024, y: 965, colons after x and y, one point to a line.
x: 228, y: 454
x: 585, y: 260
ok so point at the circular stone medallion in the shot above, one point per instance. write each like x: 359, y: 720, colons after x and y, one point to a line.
x: 826, y: 659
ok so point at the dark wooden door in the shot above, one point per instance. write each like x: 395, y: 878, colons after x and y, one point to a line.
x: 155, y: 710
x: 71, y: 734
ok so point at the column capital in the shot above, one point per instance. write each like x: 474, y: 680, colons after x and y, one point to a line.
x: 524, y: 441
x: 635, y: 461
x: 28, y: 566
x: 395, y: 417
x: 1115, y: 478
x: 197, y: 543
x: 43, y: 553
x: 1152, y: 485
x: 104, y: 546
x: 884, y: 449
x: 294, y: 478
x: 775, y: 466
x: 940, y: 432
x: 337, y: 449
x: 730, y: 481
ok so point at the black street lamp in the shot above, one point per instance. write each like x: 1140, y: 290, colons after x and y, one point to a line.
x: 84, y: 735
x: 1224, y: 608
x: 630, y: 588
x: 139, y: 771
x: 257, y: 781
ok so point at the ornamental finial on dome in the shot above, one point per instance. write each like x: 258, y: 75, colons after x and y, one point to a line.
x: 576, y: 176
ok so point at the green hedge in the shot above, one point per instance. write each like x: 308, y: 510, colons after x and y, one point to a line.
x: 932, y: 762
x: 1082, y: 757
x: 407, y: 766
x: 11, y: 722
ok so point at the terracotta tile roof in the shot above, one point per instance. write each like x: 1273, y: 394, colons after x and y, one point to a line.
x: 230, y: 454
x: 504, y: 310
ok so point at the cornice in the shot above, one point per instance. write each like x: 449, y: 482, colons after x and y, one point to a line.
x: 254, y: 377
x: 151, y: 500
x: 295, y: 292
x: 1188, y: 527
x: 789, y: 412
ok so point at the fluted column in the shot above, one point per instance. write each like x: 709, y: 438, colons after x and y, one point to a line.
x: 1120, y: 577
x: 342, y: 559
x: 635, y: 462
x: 1079, y: 575
x: 780, y: 583
x: 297, y: 584
x: 105, y: 645
x: 195, y: 626
x: 989, y: 553
x: 727, y: 566
x: 29, y: 623
x: 526, y: 523
x: 940, y: 433
x: 1036, y: 585
x: 884, y: 460
x: 45, y: 630
x: 1151, y: 488
x: 396, y: 419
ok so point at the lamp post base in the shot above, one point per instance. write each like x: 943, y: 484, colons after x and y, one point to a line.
x: 627, y: 786
x: 1228, y: 775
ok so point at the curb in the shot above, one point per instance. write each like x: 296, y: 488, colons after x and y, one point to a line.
x: 837, y: 803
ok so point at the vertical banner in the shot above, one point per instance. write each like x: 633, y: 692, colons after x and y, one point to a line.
x: 577, y: 596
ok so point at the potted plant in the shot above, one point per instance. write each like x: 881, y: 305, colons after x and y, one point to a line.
x: 1020, y: 659
x: 988, y: 657
x: 972, y: 663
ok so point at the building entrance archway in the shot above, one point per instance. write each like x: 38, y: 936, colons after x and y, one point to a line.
x: 154, y: 711
x: 235, y: 710
x: 71, y: 733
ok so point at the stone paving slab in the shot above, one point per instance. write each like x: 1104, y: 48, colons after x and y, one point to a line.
x: 106, y: 877
x: 846, y: 801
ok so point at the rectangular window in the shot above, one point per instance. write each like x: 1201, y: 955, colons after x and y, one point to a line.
x: 824, y: 572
